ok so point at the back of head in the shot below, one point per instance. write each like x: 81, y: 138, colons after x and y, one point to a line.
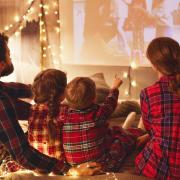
x: 80, y: 92
x: 49, y: 85
x: 164, y: 54
x: 3, y: 42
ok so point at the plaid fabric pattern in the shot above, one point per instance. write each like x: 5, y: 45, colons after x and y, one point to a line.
x: 160, y: 158
x: 38, y: 132
x: 11, y: 134
x: 119, y: 144
x: 84, y: 130
x: 7, y: 164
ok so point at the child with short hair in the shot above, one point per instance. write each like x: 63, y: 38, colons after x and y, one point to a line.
x: 85, y: 134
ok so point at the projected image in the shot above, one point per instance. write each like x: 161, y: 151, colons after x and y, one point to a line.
x: 115, y: 32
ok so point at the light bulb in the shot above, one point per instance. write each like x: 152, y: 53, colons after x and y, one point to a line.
x: 133, y: 65
x: 125, y: 74
x: 133, y: 83
x: 126, y: 92
x: 6, y: 28
x: 16, y: 18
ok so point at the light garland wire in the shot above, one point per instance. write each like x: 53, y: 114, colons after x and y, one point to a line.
x: 19, y: 21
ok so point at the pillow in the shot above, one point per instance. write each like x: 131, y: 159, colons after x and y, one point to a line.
x: 102, y: 88
x: 124, y: 108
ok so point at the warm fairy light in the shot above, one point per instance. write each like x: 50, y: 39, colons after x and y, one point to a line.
x: 40, y: 14
x: 126, y: 92
x: 56, y: 12
x: 43, y: 30
x: 133, y: 65
x: 46, y: 6
x: 16, y: 18
x: 57, y: 29
x: 107, y: 173
x: 133, y: 83
x: 20, y: 28
x: 73, y: 172
x: 6, y: 28
x: 25, y: 17
x: 41, y: 23
x: 17, y: 33
x: 46, y: 12
x: 44, y: 39
x: 55, y: 4
x: 30, y: 1
x: 53, y: 54
x: 44, y: 48
x: 44, y: 55
x: 49, y: 47
x: 125, y: 74
x: 40, y: 5
x: 31, y: 9
x: 58, y: 21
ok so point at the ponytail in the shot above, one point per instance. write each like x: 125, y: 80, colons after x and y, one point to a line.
x: 53, y: 106
x: 175, y: 84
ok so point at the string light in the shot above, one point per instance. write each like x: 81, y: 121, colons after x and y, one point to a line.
x: 133, y: 83
x: 133, y: 65
x: 126, y: 92
x: 125, y: 74
x: 16, y: 18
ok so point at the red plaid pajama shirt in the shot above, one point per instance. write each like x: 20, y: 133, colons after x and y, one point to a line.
x: 12, y: 136
x: 160, y: 158
x: 86, y: 137
x: 38, y: 135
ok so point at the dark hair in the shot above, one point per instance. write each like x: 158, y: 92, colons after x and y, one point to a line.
x: 3, y: 42
x: 47, y: 87
x: 164, y: 54
x: 80, y: 92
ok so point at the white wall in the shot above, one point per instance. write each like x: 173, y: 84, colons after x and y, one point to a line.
x: 144, y: 76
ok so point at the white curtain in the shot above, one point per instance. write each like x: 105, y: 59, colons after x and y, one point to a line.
x: 24, y: 34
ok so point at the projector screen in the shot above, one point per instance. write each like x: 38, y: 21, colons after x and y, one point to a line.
x: 115, y: 32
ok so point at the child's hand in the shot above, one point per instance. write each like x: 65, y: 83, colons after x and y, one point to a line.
x: 85, y: 169
x: 117, y: 82
x: 142, y: 140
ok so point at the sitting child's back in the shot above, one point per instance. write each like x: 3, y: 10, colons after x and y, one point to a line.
x: 44, y: 130
x: 84, y: 122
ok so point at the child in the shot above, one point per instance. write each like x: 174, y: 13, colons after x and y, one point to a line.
x: 85, y: 134
x: 160, y: 106
x: 44, y: 131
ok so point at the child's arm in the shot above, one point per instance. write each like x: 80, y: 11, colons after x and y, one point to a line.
x: 110, y: 103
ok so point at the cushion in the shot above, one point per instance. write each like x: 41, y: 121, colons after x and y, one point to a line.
x: 125, y: 107
x: 102, y: 88
x: 102, y: 91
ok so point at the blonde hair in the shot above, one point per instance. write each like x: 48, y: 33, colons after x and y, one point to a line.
x: 47, y: 87
x: 80, y: 92
x: 164, y: 54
